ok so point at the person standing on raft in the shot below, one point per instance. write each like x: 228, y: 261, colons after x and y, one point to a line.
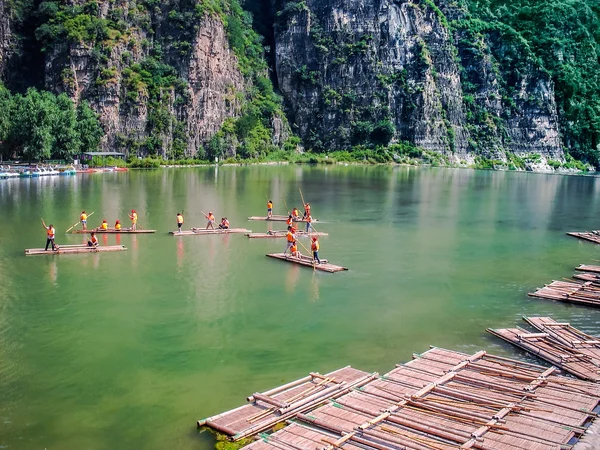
x: 211, y: 220
x: 295, y: 214
x: 314, y: 246
x: 134, y: 218
x: 306, y: 210
x: 93, y: 241
x: 291, y: 238
x: 83, y: 220
x: 269, y: 209
x: 50, y: 234
x: 179, y: 221
x: 308, y: 222
x: 290, y: 221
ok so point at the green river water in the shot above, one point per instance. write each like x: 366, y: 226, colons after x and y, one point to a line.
x: 127, y: 350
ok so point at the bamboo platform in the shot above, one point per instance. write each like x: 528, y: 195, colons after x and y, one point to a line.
x: 441, y: 400
x: 588, y: 268
x: 280, y: 234
x: 587, y: 276
x: 112, y: 231
x: 278, y: 218
x: 82, y: 248
x: 559, y: 344
x: 202, y: 231
x: 585, y: 293
x: 304, y: 260
x: 592, y: 236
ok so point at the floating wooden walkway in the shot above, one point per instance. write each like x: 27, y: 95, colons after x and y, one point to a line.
x: 82, y: 248
x: 112, y: 231
x: 586, y: 293
x: 558, y: 343
x: 281, y: 234
x: 278, y: 218
x: 441, y: 400
x: 592, y: 236
x: 202, y: 231
x: 325, y: 266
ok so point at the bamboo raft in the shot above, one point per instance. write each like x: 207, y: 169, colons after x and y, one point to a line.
x: 304, y: 260
x: 559, y: 344
x: 586, y: 293
x: 202, y: 231
x: 279, y: 234
x: 278, y: 218
x: 112, y: 231
x: 592, y: 236
x: 587, y: 276
x: 441, y: 400
x: 80, y: 248
x: 588, y: 268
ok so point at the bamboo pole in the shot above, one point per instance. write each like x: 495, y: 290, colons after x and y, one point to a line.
x: 89, y: 215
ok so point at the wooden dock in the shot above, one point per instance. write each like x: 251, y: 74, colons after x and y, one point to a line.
x: 441, y: 400
x: 591, y: 236
x: 112, y: 231
x: 280, y: 234
x: 69, y: 249
x: 202, y: 231
x: 307, y: 261
x: 586, y: 293
x: 558, y: 343
x: 278, y: 218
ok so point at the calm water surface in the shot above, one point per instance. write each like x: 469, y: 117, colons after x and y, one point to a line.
x: 127, y: 350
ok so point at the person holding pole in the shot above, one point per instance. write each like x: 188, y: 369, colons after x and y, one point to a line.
x: 306, y: 210
x: 308, y: 220
x: 314, y: 246
x: 50, y: 234
x: 83, y: 220
x: 291, y: 238
x: 134, y: 218
x: 211, y: 220
x: 269, y: 209
x: 179, y: 221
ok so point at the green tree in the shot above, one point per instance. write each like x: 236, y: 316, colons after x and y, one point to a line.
x: 33, y: 124
x: 66, y: 137
x: 88, y: 128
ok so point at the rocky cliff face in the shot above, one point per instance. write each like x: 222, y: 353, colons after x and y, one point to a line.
x: 5, y: 37
x: 345, y: 66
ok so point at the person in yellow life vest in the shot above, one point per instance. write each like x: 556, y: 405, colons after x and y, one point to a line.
x: 306, y: 210
x: 179, y: 221
x: 291, y: 238
x: 104, y: 225
x: 93, y: 242
x: 294, y: 249
x: 134, y: 218
x: 295, y: 214
x: 224, y: 225
x: 308, y: 222
x: 269, y: 209
x: 50, y: 234
x: 211, y: 220
x: 83, y: 220
x: 118, y: 225
x: 314, y: 246
x: 289, y: 221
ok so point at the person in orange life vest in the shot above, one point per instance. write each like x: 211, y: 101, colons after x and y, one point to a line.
x: 50, y: 234
x: 315, y: 249
x: 118, y: 225
x: 306, y: 210
x: 83, y: 219
x: 179, y: 221
x: 211, y: 220
x: 134, y: 218
x: 104, y: 225
x: 291, y: 238
x: 289, y: 221
x: 224, y: 225
x: 295, y: 214
x: 308, y: 222
x: 294, y: 249
x: 269, y: 209
x: 93, y: 242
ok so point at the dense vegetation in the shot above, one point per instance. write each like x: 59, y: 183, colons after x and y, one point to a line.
x: 563, y: 38
x: 40, y: 125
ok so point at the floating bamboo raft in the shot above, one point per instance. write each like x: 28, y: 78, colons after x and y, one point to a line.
x: 592, y: 236
x: 559, y: 344
x: 113, y: 231
x: 587, y: 276
x: 441, y: 400
x: 281, y: 234
x: 82, y: 248
x: 278, y: 218
x: 588, y: 268
x: 202, y: 231
x: 303, y: 260
x: 585, y: 293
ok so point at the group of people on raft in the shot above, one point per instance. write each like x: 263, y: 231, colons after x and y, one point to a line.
x: 224, y: 225
x: 104, y: 225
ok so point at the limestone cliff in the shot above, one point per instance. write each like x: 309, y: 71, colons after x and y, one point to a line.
x: 6, y: 37
x: 344, y: 66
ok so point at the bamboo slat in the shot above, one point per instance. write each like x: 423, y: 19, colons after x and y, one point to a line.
x: 591, y: 236
x: 202, y: 231
x: 278, y: 218
x: 283, y: 234
x: 78, y: 249
x: 112, y: 231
